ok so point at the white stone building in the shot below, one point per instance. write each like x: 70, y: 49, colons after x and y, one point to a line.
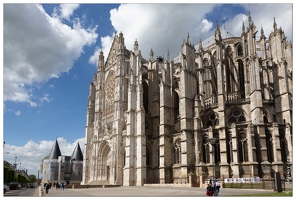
x: 59, y: 168
x: 152, y: 120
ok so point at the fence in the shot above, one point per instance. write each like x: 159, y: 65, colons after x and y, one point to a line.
x: 263, y: 184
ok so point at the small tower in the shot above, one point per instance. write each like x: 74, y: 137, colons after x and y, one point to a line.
x: 76, y: 165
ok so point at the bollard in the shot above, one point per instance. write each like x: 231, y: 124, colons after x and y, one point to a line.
x: 72, y: 186
x: 41, y: 193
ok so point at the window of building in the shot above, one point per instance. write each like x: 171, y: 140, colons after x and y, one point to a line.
x: 177, y: 152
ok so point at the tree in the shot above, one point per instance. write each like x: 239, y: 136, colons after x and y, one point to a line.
x: 32, y: 178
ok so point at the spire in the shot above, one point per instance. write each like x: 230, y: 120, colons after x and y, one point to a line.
x: 243, y: 28
x: 250, y: 20
x: 121, y: 39
x: 136, y: 47
x: 168, y: 56
x: 200, y: 45
x: 188, y: 39
x: 262, y: 32
x: 151, y: 54
x: 77, y: 153
x: 274, y: 25
x: 55, y: 151
x: 217, y: 33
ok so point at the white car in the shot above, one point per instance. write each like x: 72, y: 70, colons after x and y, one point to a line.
x: 6, y: 188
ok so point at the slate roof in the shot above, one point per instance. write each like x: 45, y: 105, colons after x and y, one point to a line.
x: 77, y: 153
x: 55, y: 151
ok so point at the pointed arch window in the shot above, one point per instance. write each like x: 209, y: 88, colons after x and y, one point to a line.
x: 206, y: 149
x: 269, y: 145
x: 177, y: 152
x: 236, y: 116
x: 243, y: 147
x: 213, y: 120
x: 284, y: 146
x: 240, y: 50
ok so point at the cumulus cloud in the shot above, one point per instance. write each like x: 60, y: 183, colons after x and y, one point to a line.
x: 38, y: 47
x: 67, y: 10
x: 163, y: 27
x: 281, y: 12
x: 106, y: 43
x: 31, y: 154
x: 207, y: 25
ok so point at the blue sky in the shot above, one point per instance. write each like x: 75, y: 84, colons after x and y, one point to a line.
x: 50, y: 56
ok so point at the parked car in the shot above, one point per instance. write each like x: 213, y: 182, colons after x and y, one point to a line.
x: 6, y: 188
x: 14, y: 186
x: 30, y: 185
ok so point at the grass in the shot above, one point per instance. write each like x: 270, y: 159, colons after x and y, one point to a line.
x: 272, y: 194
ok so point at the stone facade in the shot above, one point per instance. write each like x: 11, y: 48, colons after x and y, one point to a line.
x: 59, y: 168
x: 153, y: 121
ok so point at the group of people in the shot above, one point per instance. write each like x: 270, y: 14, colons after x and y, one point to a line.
x: 58, y: 185
x: 213, y: 188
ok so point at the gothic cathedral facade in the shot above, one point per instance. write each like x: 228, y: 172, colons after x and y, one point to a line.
x: 222, y: 108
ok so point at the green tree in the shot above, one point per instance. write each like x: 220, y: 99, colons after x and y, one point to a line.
x: 32, y: 178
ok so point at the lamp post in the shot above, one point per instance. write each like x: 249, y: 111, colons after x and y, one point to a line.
x: 15, y: 163
x: 213, y: 142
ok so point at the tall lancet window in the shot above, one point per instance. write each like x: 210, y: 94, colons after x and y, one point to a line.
x: 206, y: 149
x: 240, y: 50
x: 269, y: 145
x: 243, y: 147
x: 177, y: 152
x: 241, y: 78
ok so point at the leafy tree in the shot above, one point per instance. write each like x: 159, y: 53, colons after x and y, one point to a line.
x: 32, y: 178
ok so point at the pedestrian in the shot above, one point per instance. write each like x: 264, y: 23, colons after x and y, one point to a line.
x: 210, y: 189
x: 57, y: 185
x: 63, y: 185
x: 216, y: 187
x: 47, y: 188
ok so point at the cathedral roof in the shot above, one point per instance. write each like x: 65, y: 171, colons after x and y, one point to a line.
x: 55, y: 151
x: 77, y: 153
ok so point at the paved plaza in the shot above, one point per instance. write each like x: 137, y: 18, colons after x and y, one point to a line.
x: 144, y: 191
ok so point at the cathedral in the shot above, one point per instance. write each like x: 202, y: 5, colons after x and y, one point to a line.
x: 222, y: 108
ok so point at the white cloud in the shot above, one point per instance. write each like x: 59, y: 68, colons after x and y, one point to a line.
x: 106, y: 43
x: 264, y: 14
x: 38, y: 47
x: 17, y: 113
x: 207, y: 25
x: 67, y: 9
x: 163, y: 27
x: 31, y: 154
x: 45, y: 98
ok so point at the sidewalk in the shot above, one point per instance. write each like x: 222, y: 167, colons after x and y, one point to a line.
x: 144, y: 191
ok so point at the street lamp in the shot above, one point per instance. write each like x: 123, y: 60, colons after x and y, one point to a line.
x: 15, y: 163
x: 213, y: 142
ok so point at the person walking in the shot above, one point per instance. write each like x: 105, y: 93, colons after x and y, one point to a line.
x: 216, y: 187
x: 210, y: 189
x: 47, y: 188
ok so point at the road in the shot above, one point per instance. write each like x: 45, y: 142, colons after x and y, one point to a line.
x: 24, y: 192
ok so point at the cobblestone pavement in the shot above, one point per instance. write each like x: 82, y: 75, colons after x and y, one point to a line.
x: 143, y: 191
